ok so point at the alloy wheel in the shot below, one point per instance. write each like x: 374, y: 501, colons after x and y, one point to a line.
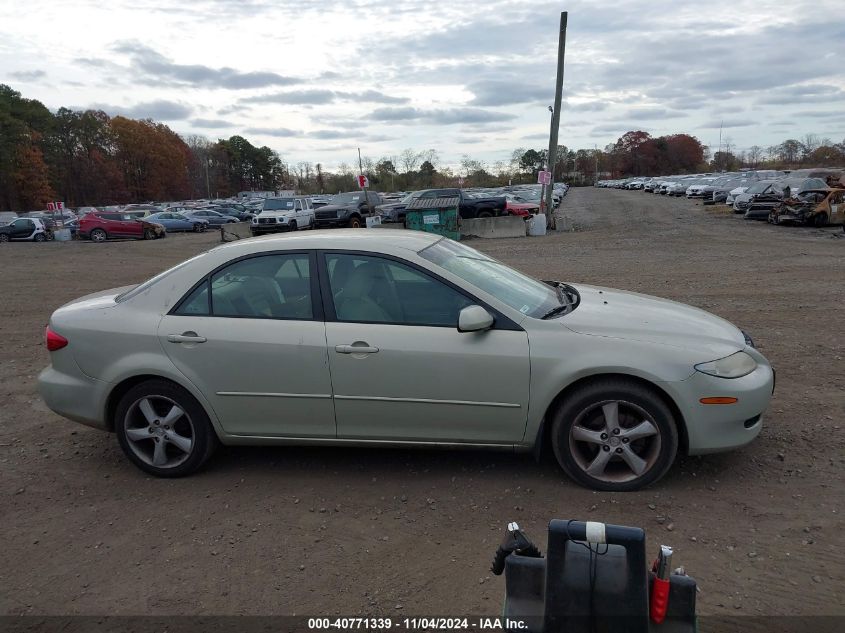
x: 614, y: 441
x: 159, y: 431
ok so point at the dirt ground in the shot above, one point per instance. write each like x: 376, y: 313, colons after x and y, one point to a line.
x: 401, y: 532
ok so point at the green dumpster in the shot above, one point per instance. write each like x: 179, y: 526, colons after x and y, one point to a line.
x: 434, y: 215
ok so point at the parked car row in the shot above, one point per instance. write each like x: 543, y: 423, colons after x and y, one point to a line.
x: 813, y: 197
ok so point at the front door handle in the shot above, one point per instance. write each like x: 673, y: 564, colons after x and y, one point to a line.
x: 186, y: 337
x: 355, y: 348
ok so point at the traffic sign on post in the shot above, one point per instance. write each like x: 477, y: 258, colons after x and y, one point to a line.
x: 51, y: 206
x: 544, y: 178
x: 363, y: 181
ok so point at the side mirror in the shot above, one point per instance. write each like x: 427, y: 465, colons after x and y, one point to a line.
x: 474, y: 319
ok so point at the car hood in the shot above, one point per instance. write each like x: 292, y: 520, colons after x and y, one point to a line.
x: 636, y: 317
x: 387, y: 206
x: 339, y: 207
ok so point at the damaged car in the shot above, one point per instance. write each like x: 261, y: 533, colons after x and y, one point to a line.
x: 817, y: 207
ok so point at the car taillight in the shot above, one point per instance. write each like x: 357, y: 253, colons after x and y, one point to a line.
x: 54, y: 340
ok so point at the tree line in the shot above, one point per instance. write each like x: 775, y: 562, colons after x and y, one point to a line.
x: 90, y: 158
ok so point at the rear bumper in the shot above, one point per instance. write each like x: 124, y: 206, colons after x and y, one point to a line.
x: 75, y: 396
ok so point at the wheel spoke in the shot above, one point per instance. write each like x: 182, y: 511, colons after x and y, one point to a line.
x: 611, y: 415
x: 597, y: 466
x: 136, y: 435
x: 146, y: 408
x: 160, y: 454
x: 634, y: 461
x: 180, y: 441
x: 581, y: 434
x: 643, y: 429
x: 172, y: 416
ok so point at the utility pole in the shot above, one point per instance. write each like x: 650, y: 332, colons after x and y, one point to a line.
x: 361, y: 173
x: 596, y: 177
x: 720, y: 145
x: 552, y: 158
x: 207, y: 185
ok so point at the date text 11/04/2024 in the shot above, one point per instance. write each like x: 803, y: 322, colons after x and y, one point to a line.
x: 417, y: 624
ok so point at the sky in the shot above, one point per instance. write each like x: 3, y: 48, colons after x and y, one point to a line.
x: 316, y: 79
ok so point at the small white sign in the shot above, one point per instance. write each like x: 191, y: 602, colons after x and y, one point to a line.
x: 431, y: 219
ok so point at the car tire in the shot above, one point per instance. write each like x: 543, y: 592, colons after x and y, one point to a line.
x: 484, y: 214
x: 40, y: 237
x: 354, y: 222
x: 820, y: 220
x: 292, y: 225
x: 148, y: 234
x: 614, y: 434
x: 98, y: 235
x: 4, y: 237
x: 146, y: 438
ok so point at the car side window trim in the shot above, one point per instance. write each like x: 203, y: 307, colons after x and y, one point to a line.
x: 500, y: 320
x: 317, y: 313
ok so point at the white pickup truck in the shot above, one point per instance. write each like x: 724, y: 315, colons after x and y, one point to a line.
x: 283, y: 214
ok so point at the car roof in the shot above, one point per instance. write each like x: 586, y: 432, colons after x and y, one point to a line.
x: 376, y: 240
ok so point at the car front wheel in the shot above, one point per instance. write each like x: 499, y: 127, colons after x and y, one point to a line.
x: 4, y: 237
x: 163, y: 430
x: 98, y: 235
x: 614, y: 434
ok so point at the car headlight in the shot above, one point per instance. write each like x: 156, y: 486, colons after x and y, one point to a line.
x: 733, y: 366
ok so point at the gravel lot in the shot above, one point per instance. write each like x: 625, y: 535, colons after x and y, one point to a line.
x: 390, y: 532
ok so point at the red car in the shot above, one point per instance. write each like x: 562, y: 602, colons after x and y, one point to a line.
x: 517, y: 206
x: 102, y: 225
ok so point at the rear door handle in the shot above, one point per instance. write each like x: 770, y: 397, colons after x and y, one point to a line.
x: 187, y: 337
x: 355, y: 349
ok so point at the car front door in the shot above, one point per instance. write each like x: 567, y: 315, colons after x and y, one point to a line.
x: 251, y: 337
x: 22, y: 229
x: 400, y: 368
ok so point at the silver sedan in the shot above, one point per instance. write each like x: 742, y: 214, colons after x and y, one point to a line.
x: 400, y: 338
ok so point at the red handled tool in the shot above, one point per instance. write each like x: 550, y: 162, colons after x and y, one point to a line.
x: 660, y: 589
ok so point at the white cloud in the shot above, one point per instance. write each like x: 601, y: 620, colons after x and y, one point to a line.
x: 313, y: 77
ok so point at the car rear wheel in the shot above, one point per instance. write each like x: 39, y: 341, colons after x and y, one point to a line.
x: 40, y: 237
x: 98, y: 235
x: 484, y: 214
x: 614, y: 434
x: 355, y: 222
x: 163, y: 430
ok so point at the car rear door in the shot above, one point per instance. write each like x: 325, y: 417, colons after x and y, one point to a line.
x: 400, y: 368
x: 251, y: 337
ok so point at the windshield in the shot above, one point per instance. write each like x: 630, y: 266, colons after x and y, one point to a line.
x: 278, y: 204
x: 520, y: 292
x: 346, y: 198
x: 759, y: 187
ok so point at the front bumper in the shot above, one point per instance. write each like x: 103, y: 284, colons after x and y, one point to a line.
x: 258, y: 229
x: 714, y: 428
x: 331, y: 222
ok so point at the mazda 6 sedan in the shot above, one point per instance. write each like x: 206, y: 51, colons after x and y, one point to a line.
x: 400, y: 338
